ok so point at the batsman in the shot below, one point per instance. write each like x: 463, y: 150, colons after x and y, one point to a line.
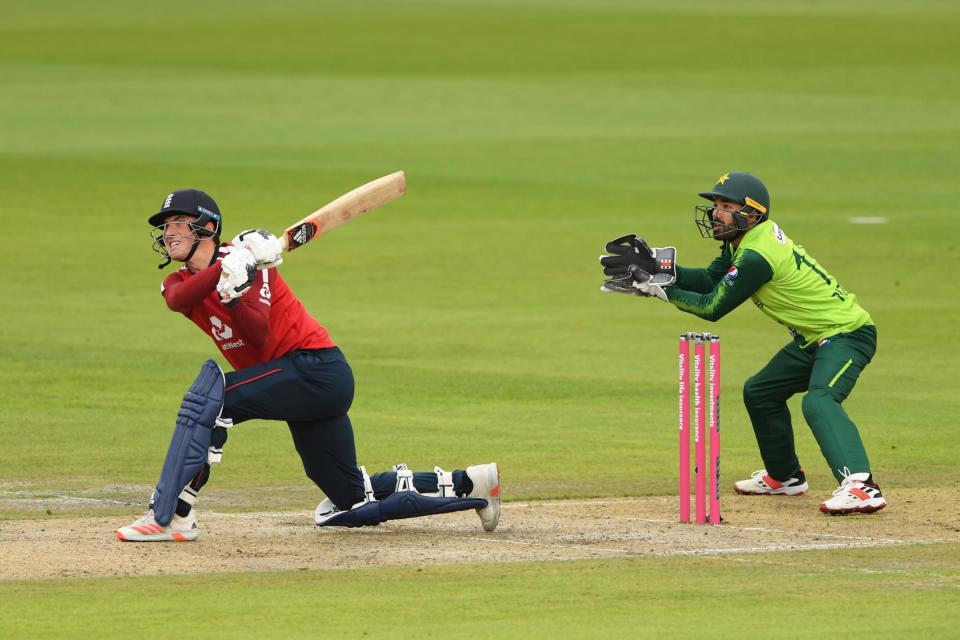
x: 286, y: 368
x: 833, y: 337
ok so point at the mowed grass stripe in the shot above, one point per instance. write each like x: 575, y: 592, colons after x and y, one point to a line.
x: 908, y: 591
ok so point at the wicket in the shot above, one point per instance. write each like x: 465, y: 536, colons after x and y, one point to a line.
x: 703, y: 420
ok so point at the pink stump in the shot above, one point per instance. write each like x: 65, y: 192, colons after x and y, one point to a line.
x: 684, y: 413
x: 699, y: 439
x: 714, y: 425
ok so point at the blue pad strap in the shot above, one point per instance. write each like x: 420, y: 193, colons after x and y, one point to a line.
x: 399, y: 505
x: 191, y: 439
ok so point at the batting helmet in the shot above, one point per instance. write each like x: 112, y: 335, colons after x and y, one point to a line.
x: 191, y: 202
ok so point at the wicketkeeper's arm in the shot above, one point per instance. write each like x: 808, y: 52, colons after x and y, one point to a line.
x: 752, y: 272
x: 701, y: 280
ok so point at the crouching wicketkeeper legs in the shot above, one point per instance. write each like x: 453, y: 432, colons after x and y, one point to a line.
x: 828, y: 373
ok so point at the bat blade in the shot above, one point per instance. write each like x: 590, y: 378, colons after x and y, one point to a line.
x: 345, y: 208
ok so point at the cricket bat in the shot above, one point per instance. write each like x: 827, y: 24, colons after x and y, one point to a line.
x: 345, y: 208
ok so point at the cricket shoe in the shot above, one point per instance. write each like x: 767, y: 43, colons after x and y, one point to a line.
x: 146, y: 529
x: 854, y: 496
x: 486, y: 485
x: 761, y: 484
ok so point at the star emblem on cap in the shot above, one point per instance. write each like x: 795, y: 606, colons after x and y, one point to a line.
x: 723, y: 178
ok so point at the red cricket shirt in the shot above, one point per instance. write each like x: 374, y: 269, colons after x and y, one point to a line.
x: 267, y: 322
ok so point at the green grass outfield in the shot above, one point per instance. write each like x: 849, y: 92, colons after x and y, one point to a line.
x: 872, y: 591
x: 531, y: 132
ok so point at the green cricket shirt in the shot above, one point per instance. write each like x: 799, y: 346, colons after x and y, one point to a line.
x: 780, y: 277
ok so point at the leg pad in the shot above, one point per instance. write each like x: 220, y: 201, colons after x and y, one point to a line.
x: 405, y: 502
x: 397, y: 506
x: 190, y: 444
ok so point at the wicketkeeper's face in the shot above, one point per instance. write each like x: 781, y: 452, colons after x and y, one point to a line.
x: 724, y: 225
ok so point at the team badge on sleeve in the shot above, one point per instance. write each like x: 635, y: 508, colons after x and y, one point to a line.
x: 732, y: 274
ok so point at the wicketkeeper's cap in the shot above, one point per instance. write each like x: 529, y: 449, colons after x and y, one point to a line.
x: 741, y: 187
x: 192, y: 202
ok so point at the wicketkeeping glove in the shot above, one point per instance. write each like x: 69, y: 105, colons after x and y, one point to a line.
x: 238, y: 271
x: 632, y: 255
x: 629, y: 284
x: 266, y: 248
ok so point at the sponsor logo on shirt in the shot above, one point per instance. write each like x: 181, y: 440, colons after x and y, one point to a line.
x: 779, y: 235
x: 220, y: 330
x: 732, y: 274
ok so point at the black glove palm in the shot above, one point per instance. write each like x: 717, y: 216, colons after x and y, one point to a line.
x: 628, y: 250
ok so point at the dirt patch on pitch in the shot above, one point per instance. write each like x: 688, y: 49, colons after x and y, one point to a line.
x: 531, y: 531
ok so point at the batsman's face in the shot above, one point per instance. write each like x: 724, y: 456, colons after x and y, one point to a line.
x: 178, y: 236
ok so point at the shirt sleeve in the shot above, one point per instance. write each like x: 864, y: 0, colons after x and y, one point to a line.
x: 251, y: 312
x: 748, y: 272
x: 184, y: 295
x: 704, y: 280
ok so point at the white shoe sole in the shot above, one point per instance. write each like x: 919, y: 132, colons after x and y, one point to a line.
x: 490, y: 514
x: 871, y: 506
x: 785, y: 491
x: 130, y: 534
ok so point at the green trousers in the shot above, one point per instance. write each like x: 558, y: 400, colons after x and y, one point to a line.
x: 827, y: 373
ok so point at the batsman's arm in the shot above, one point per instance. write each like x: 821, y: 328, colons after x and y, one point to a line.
x: 704, y: 280
x: 250, y: 312
x: 752, y: 272
x: 184, y: 295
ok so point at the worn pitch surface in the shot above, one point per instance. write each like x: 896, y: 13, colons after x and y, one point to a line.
x: 529, y: 531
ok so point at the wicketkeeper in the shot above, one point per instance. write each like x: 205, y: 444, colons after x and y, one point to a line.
x: 834, y: 338
x: 286, y: 368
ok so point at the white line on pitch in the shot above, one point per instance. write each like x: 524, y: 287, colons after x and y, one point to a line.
x: 831, y: 568
x: 698, y: 552
x: 582, y: 547
x: 259, y: 515
x: 774, y: 549
x: 726, y: 527
x: 61, y: 500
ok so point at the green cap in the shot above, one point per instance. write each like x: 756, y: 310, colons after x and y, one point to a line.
x: 741, y: 187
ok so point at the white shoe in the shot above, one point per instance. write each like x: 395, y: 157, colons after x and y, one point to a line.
x: 146, y: 529
x: 326, y: 510
x: 486, y: 485
x: 854, y: 496
x: 761, y: 484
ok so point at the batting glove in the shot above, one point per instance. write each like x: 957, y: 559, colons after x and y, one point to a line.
x: 266, y: 248
x: 238, y: 271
